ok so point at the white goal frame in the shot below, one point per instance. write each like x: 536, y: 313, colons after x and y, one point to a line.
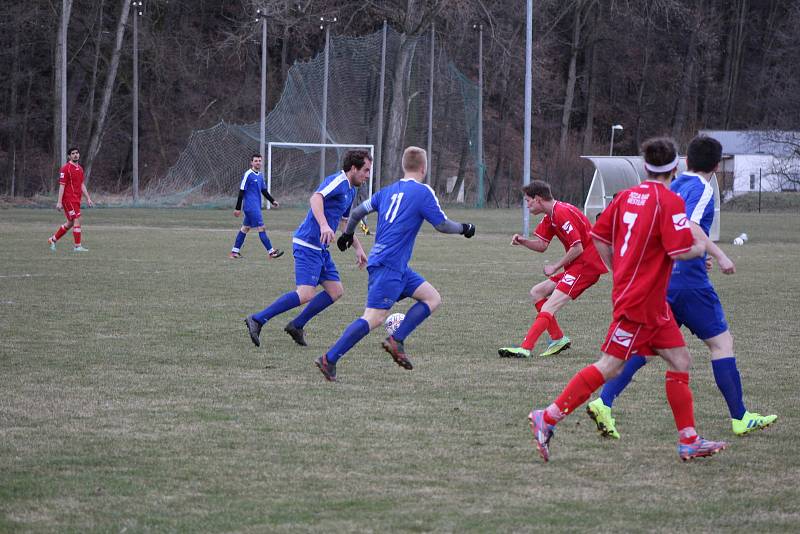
x: 371, y: 149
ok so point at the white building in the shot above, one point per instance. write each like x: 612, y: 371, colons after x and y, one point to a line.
x: 757, y: 161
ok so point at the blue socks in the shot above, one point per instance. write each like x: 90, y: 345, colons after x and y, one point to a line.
x: 614, y: 387
x: 265, y: 240
x: 320, y: 301
x: 415, y: 315
x: 352, y: 335
x: 730, y: 385
x: 239, y: 241
x: 283, y: 303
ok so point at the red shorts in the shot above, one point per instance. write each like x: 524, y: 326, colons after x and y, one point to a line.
x: 626, y: 338
x: 72, y: 209
x: 575, y: 280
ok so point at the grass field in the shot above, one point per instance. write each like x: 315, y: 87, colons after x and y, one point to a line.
x: 131, y: 398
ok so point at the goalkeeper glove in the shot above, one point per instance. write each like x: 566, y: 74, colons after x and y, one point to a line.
x: 468, y: 230
x: 345, y: 241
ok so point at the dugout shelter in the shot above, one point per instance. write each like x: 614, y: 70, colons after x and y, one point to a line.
x: 617, y: 173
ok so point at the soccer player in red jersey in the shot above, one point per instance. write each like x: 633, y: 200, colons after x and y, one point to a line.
x: 581, y: 262
x: 70, y: 190
x: 639, y: 235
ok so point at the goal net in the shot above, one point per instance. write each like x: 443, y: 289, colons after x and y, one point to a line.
x: 293, y: 169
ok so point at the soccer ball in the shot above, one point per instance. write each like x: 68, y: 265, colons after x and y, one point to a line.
x: 392, y: 323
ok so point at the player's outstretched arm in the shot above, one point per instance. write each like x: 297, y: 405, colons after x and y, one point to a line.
x: 726, y: 265
x: 535, y: 244
x: 452, y: 227
x: 359, y: 212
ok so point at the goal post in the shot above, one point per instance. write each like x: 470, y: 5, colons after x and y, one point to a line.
x: 314, y: 148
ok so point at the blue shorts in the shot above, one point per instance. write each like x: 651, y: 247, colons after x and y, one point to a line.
x: 387, y: 286
x: 700, y: 310
x: 312, y: 267
x: 253, y: 218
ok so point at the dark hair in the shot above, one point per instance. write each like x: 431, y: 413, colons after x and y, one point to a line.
x: 72, y: 149
x: 355, y: 158
x: 659, y: 151
x: 254, y: 156
x: 704, y: 154
x: 540, y: 188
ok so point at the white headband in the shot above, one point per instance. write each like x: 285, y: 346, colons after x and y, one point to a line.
x: 663, y: 168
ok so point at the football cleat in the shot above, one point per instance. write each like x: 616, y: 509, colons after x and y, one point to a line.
x: 751, y: 421
x: 296, y: 333
x: 542, y: 433
x: 52, y: 243
x: 557, y: 346
x: 601, y: 415
x: 514, y: 352
x: 699, y: 448
x: 327, y: 369
x: 234, y: 255
x: 275, y: 253
x: 364, y: 228
x: 254, y: 329
x: 397, y: 351
x: 80, y: 248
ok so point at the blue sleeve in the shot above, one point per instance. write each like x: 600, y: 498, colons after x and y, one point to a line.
x: 431, y: 210
x: 375, y: 201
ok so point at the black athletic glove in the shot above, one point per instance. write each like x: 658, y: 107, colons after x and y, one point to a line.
x: 468, y: 230
x: 345, y: 241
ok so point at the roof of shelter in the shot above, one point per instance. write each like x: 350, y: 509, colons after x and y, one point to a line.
x: 770, y: 142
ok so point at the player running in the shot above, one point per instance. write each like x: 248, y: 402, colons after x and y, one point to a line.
x: 639, y: 235
x: 70, y: 191
x: 401, y: 208
x: 582, y: 266
x: 694, y: 301
x: 313, y: 265
x: 250, y: 190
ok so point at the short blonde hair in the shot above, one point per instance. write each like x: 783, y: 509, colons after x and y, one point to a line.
x: 415, y: 159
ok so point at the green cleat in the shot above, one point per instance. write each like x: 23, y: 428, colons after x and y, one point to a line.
x: 557, y: 346
x: 751, y: 421
x: 514, y: 352
x: 601, y: 415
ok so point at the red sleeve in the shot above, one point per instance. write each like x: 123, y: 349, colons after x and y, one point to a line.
x: 569, y: 223
x: 603, y: 229
x: 676, y: 231
x: 545, y: 229
x: 62, y: 176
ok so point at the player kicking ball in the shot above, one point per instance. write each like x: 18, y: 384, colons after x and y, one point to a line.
x: 250, y: 190
x: 694, y: 302
x: 401, y: 208
x: 330, y: 205
x: 582, y: 266
x: 638, y: 236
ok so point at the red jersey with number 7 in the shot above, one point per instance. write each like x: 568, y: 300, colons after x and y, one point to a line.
x: 646, y: 227
x: 71, y: 177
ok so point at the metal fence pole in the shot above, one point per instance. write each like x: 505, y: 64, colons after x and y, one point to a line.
x: 379, y: 145
x: 526, y: 166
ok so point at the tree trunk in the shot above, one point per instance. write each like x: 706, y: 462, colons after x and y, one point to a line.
x: 642, y: 84
x: 591, y: 91
x: 95, y: 62
x: 569, y: 92
x: 735, y: 60
x: 396, y: 125
x: 12, y: 137
x: 689, y: 61
x: 108, y: 89
x: 61, y: 36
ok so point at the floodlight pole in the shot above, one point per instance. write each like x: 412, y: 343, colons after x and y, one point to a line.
x: 613, y: 130
x: 261, y: 15
x: 63, y: 60
x: 324, y: 23
x: 379, y: 148
x: 481, y: 193
x: 137, y: 12
x: 526, y: 169
x: 430, y: 105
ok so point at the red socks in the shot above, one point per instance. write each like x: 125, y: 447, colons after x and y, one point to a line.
x: 553, y: 330
x: 578, y: 391
x: 76, y: 234
x: 544, y: 321
x: 680, y: 400
x: 60, y: 232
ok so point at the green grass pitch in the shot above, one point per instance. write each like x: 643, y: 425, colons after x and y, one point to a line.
x: 131, y: 398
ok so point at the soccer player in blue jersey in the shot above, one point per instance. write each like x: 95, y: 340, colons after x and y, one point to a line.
x: 401, y: 208
x: 313, y: 266
x: 694, y: 301
x: 250, y: 190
